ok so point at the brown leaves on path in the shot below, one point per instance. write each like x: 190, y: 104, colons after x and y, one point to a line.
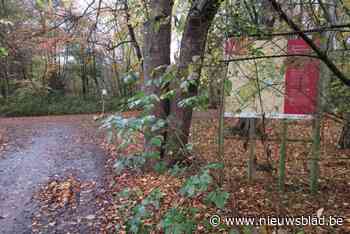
x: 60, y: 193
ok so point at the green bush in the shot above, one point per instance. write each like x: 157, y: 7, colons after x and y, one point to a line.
x: 178, y: 221
x: 27, y: 104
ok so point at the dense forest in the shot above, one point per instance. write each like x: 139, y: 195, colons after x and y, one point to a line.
x: 212, y: 111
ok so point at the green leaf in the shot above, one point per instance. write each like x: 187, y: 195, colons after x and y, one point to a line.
x: 156, y: 141
x: 196, y: 101
x: 176, y: 221
x: 141, y: 211
x: 151, y: 155
x: 214, y: 166
x: 184, y: 85
x: 41, y: 3
x: 160, y: 167
x: 125, y: 193
x: 134, y: 225
x: 169, y: 95
x: 158, y: 125
x: 156, y: 26
x: 3, y: 52
x: 233, y: 231
x: 130, y: 78
x: 154, y: 198
x: 248, y: 230
x: 228, y: 86
x: 109, y: 136
x: 177, y: 170
x: 218, y: 197
x: 196, y: 184
x: 189, y: 147
x: 128, y: 162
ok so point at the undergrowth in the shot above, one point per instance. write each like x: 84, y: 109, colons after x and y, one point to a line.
x: 36, y: 105
x: 124, y: 132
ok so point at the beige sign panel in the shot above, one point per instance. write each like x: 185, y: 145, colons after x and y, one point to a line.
x: 258, y: 84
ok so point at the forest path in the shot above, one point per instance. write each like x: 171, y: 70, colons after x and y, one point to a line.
x: 51, y: 175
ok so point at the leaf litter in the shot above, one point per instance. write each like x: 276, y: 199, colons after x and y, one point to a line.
x: 258, y: 199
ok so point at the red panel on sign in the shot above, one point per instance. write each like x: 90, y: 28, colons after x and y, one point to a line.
x: 302, y: 77
x: 236, y: 46
x: 230, y: 46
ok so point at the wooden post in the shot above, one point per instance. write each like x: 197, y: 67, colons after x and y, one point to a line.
x: 321, y: 101
x: 316, y: 132
x: 103, y: 95
x: 282, y: 160
x: 252, y: 158
x: 221, y: 138
x: 103, y: 105
x: 315, y: 157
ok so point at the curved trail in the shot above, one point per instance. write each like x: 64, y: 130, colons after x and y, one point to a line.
x: 43, y: 149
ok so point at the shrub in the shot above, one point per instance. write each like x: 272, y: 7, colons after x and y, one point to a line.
x: 28, y: 104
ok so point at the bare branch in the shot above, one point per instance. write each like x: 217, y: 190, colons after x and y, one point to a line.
x: 322, y: 55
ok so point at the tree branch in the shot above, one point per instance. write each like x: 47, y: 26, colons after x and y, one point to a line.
x: 322, y: 55
x: 132, y: 34
x: 268, y: 57
x: 333, y: 28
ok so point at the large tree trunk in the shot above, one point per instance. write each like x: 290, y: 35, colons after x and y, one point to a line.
x: 192, y: 49
x: 156, y: 52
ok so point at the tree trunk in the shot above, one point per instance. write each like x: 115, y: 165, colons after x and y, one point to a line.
x: 192, y: 50
x: 115, y: 73
x: 94, y: 72
x: 83, y: 75
x: 83, y: 80
x: 132, y: 34
x: 135, y: 43
x: 156, y: 52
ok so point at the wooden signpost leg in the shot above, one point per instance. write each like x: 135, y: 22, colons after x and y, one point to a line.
x: 321, y: 103
x: 252, y: 157
x: 282, y: 160
x: 221, y: 138
x: 315, y: 157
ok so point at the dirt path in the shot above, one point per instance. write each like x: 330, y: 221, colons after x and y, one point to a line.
x: 44, y: 155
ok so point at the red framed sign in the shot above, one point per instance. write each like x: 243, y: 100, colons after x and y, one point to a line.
x: 301, y: 81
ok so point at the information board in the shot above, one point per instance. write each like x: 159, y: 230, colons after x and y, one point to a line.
x: 280, y: 86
